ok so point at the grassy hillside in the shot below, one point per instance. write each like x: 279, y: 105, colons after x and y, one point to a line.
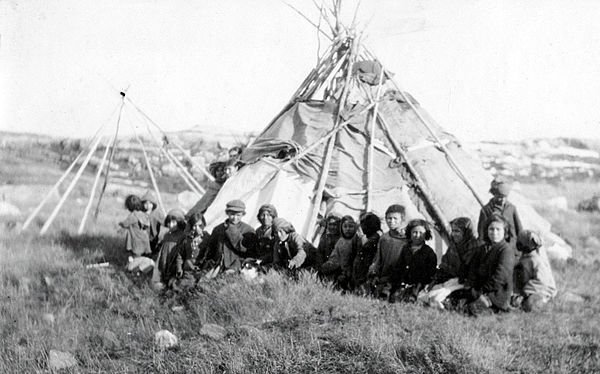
x: 107, y: 317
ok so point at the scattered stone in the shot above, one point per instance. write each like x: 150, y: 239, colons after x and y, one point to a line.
x: 48, y: 318
x: 572, y: 298
x: 164, y: 339
x: 60, y: 360
x: 213, y: 331
x: 177, y: 308
x: 8, y: 210
x: 110, y: 341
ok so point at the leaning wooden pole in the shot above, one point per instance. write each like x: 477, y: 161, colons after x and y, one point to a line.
x: 71, y: 186
x: 192, y: 187
x: 372, y: 143
x: 442, y: 146
x: 93, y: 192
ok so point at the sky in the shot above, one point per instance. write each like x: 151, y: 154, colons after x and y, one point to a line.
x: 485, y: 70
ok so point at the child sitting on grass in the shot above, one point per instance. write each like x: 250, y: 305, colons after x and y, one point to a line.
x: 370, y: 226
x: 388, y: 252
x: 339, y: 265
x: 169, y: 265
x: 534, y: 282
x: 291, y: 249
x: 417, y: 262
x: 191, y: 248
x: 136, y: 224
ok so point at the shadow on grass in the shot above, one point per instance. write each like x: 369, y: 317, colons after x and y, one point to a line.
x: 82, y: 246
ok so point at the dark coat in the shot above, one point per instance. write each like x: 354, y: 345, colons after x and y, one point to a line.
x: 325, y: 248
x: 169, y: 259
x: 415, y: 268
x: 266, y: 244
x: 363, y: 259
x: 508, y: 211
x: 455, y: 262
x: 491, y: 272
x: 225, y: 245
x: 294, y: 247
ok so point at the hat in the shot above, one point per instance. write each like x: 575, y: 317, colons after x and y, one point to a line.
x: 176, y: 214
x: 236, y: 206
x: 282, y: 223
x: 149, y: 196
x: 528, y: 239
x: 500, y: 186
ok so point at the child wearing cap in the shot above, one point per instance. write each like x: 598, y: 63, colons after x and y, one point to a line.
x: 533, y: 278
x: 225, y: 245
x: 136, y: 224
x: 388, y: 252
x: 499, y: 204
x: 156, y: 219
x: 169, y: 264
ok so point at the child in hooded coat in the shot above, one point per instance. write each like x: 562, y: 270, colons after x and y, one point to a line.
x: 417, y: 262
x: 339, y: 265
x: 327, y: 241
x: 370, y: 226
x: 156, y: 219
x: 533, y: 278
x: 136, y: 224
x: 169, y: 263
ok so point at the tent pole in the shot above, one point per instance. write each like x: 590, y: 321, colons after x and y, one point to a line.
x: 186, y: 173
x: 189, y: 184
x: 422, y: 187
x: 96, y: 180
x: 70, y: 188
x: 442, y: 146
x: 154, y: 184
x: 371, y: 143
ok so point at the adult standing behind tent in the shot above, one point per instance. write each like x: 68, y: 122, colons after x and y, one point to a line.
x: 499, y: 204
x: 156, y: 219
x: 226, y: 243
x: 291, y: 249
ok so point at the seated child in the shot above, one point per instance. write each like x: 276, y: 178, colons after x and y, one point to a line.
x: 453, y: 269
x: 339, y: 265
x: 265, y: 234
x: 328, y: 240
x: 291, y: 249
x: 499, y: 204
x: 169, y: 265
x: 156, y: 219
x: 225, y: 246
x: 136, y: 224
x: 190, y: 249
x: 490, y: 280
x: 370, y: 226
x: 417, y: 262
x: 533, y: 277
x: 388, y: 252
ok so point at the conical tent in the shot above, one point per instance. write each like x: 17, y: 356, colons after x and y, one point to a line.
x: 350, y: 140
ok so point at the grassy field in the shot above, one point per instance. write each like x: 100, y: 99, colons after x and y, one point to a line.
x: 107, y: 317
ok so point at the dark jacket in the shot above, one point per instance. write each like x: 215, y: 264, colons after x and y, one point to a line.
x: 324, y: 249
x: 508, y: 211
x: 294, y: 247
x: 265, y: 245
x: 491, y: 272
x: 363, y: 259
x: 225, y: 245
x: 415, y: 267
x: 455, y: 262
x: 169, y: 260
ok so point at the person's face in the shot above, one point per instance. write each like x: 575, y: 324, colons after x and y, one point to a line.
x: 234, y: 217
x: 456, y: 234
x: 198, y: 227
x: 265, y: 218
x: 495, y: 232
x: 348, y: 228
x: 499, y: 199
x: 393, y: 220
x: 230, y: 170
x: 282, y: 235
x: 417, y: 235
x: 220, y: 174
x: 148, y: 206
x: 233, y: 154
x: 333, y: 226
x: 172, y: 224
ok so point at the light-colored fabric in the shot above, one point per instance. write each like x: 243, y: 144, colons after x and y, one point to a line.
x: 137, y: 240
x: 542, y: 282
x: 439, y: 293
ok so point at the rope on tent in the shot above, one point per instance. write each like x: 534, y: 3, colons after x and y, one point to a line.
x: 372, y: 141
x: 71, y: 185
x: 154, y: 184
x: 206, y: 173
x: 442, y: 146
x: 96, y: 180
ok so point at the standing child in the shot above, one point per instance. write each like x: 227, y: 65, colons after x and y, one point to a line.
x: 226, y: 243
x: 388, y: 252
x: 327, y: 242
x: 136, y: 224
x: 156, y: 219
x: 490, y: 280
x: 370, y: 226
x: 533, y: 277
x: 499, y: 204
x: 169, y: 264
x: 417, y: 262
x: 339, y: 265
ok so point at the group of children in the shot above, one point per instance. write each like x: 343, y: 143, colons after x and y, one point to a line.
x: 496, y: 266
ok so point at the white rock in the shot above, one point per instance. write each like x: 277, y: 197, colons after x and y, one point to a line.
x: 164, y: 339
x: 8, y: 210
x: 60, y: 360
x: 48, y: 318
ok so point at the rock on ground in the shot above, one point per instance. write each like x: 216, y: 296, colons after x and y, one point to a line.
x: 60, y: 360
x: 213, y: 331
x: 48, y: 318
x: 164, y: 339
